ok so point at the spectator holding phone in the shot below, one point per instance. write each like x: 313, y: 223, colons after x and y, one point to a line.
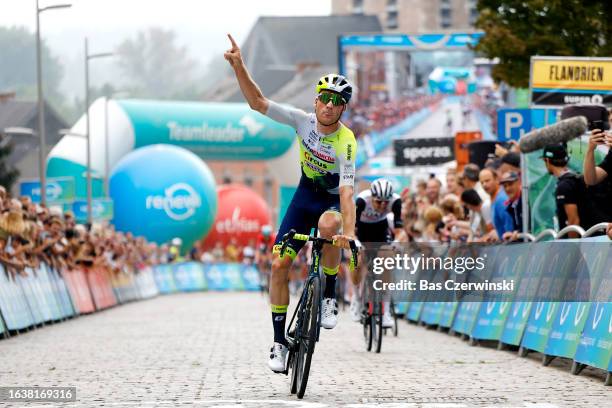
x: 594, y: 175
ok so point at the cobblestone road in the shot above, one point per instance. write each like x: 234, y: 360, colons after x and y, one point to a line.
x: 210, y: 349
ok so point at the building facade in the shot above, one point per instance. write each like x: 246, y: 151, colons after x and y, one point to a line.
x: 413, y: 16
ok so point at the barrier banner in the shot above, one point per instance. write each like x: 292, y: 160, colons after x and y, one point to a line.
x: 509, y: 263
x: 595, y: 346
x: 164, y: 278
x: 52, y: 305
x: 101, y: 288
x: 223, y: 276
x: 189, y: 276
x: 32, y: 296
x: 449, y: 310
x: 470, y: 305
x: 566, y: 330
x: 124, y: 286
x: 146, y: 283
x: 13, y: 303
x: 250, y: 278
x: 527, y: 289
x: 79, y: 290
x: 562, y: 261
x: 62, y: 293
x: 432, y: 312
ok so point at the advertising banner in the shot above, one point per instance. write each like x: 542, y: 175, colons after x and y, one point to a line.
x: 220, y: 131
x: 101, y: 209
x: 164, y: 278
x: 424, y: 152
x: 224, y: 276
x: 59, y: 189
x: 509, y: 264
x: 250, y: 278
x: 561, y: 263
x: 189, y: 276
x: 559, y: 81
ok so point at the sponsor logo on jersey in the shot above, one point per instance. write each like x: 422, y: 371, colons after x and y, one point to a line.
x: 309, y: 157
x: 349, y: 151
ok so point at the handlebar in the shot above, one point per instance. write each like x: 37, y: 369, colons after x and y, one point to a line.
x: 292, y: 234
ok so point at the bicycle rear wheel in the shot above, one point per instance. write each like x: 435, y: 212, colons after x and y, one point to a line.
x: 367, y: 331
x: 308, y: 338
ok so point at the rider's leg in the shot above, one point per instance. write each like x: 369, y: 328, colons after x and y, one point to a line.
x: 279, y: 293
x: 330, y: 224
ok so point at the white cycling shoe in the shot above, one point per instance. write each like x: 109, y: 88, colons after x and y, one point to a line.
x: 387, y: 320
x: 329, y: 313
x: 278, y: 357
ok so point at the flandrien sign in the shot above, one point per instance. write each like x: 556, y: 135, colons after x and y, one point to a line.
x: 559, y: 81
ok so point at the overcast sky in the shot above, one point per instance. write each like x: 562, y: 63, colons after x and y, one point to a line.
x: 200, y: 24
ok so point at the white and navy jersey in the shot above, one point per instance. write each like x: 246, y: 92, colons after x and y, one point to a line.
x: 367, y: 215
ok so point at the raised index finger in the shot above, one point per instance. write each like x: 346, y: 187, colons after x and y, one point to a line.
x: 234, y: 45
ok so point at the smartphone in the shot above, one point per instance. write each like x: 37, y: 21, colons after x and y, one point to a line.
x: 596, y: 124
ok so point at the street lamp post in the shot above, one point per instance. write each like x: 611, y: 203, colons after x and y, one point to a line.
x: 41, y: 105
x: 89, y: 187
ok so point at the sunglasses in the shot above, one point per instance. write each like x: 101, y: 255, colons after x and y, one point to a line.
x: 335, y: 99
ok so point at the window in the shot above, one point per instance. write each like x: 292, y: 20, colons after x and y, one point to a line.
x: 392, y: 20
x: 357, y: 6
x: 446, y: 15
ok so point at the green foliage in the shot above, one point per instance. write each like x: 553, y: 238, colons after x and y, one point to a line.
x: 18, y: 68
x: 515, y: 30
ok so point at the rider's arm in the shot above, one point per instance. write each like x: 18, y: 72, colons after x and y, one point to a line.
x: 253, y: 95
x: 347, y: 208
x: 396, y: 209
x: 346, y: 161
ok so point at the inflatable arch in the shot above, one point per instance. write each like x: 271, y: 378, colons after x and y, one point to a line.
x: 213, y: 131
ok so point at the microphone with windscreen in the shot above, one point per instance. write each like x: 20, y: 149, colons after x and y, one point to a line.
x: 560, y: 132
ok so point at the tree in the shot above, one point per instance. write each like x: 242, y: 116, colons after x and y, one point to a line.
x: 517, y: 29
x: 18, y: 69
x: 155, y: 65
x: 8, y: 175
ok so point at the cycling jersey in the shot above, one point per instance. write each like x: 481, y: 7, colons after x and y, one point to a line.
x: 372, y: 225
x: 327, y: 161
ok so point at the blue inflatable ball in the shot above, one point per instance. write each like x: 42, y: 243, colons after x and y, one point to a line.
x: 162, y: 192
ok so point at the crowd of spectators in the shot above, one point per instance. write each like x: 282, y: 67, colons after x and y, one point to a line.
x: 363, y: 118
x: 477, y: 204
x: 31, y: 233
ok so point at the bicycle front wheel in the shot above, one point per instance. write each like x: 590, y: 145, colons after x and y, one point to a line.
x: 308, y: 338
x: 377, y: 329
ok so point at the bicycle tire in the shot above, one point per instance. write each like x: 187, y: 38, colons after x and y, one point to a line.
x: 293, y: 367
x: 309, y: 335
x: 377, y: 329
x: 367, y: 332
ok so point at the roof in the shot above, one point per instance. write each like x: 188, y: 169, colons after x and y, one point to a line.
x: 277, y: 46
x: 25, y: 114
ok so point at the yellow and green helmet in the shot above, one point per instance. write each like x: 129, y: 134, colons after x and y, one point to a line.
x: 336, y: 83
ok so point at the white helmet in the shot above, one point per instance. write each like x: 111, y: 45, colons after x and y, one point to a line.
x: 382, y: 189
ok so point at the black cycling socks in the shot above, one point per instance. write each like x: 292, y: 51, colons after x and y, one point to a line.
x: 330, y: 282
x: 279, y: 316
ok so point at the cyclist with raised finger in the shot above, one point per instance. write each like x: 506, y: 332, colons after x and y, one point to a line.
x: 324, y: 196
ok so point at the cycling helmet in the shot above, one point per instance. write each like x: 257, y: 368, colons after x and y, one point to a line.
x: 381, y: 189
x: 336, y: 83
x: 266, y: 230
